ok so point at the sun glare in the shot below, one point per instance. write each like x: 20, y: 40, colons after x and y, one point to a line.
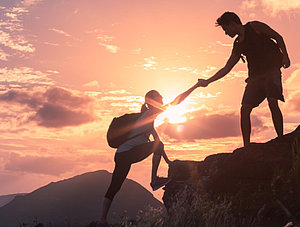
x: 173, y: 115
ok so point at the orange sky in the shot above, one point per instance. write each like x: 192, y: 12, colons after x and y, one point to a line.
x: 68, y: 67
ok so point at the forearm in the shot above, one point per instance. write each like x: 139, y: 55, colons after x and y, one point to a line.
x: 155, y: 135
x: 221, y: 73
x: 183, y: 95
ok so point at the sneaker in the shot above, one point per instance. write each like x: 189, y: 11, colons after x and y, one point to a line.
x: 159, y: 182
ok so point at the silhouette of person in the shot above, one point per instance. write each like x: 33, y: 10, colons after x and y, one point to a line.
x: 140, y: 147
x: 266, y: 53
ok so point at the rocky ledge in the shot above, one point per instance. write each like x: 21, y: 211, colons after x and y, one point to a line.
x: 257, y: 185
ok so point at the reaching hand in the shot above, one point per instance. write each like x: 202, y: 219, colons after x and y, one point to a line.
x: 286, y: 61
x: 202, y: 83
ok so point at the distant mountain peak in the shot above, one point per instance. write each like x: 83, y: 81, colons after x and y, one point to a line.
x: 78, y: 200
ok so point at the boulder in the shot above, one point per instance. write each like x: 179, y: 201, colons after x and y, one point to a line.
x: 257, y: 185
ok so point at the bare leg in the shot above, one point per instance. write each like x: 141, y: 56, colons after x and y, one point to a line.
x: 155, y: 163
x: 276, y: 116
x: 156, y: 159
x: 166, y: 157
x: 246, y: 123
x: 120, y: 172
x: 105, y: 208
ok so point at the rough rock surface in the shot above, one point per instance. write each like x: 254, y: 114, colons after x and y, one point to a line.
x: 257, y: 185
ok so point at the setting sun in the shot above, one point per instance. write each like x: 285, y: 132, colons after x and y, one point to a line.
x: 173, y: 114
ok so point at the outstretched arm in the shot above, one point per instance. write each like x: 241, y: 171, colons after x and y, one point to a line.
x: 233, y: 59
x: 262, y: 28
x: 183, y: 95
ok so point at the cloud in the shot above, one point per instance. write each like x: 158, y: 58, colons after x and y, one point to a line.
x: 28, y: 3
x: 92, y: 84
x: 23, y: 77
x: 293, y: 103
x: 150, y: 64
x: 120, y: 92
x: 278, y: 5
x: 61, y: 32
x: 11, y: 32
x: 21, y: 97
x: 16, y: 43
x: 56, y: 116
x: 54, y: 108
x: 249, y: 4
x: 136, y: 51
x: 34, y: 164
x: 224, y: 44
x: 273, y: 6
x: 293, y: 82
x: 3, y: 55
x: 105, y: 38
x: 105, y: 41
x: 56, y: 95
x: 111, y: 48
x: 207, y: 126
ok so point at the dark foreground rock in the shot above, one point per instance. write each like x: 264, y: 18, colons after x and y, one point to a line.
x: 258, y: 185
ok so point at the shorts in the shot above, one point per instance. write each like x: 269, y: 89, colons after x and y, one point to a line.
x: 268, y: 85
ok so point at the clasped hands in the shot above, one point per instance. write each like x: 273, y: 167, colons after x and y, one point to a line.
x: 202, y: 83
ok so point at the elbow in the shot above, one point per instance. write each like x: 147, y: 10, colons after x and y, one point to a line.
x: 226, y: 70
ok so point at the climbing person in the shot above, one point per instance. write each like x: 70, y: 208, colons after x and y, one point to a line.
x: 138, y: 147
x: 266, y: 53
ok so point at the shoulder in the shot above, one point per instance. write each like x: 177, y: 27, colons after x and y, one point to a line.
x: 254, y: 23
x: 259, y: 27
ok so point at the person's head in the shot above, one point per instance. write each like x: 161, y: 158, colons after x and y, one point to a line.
x: 230, y: 22
x: 153, y: 100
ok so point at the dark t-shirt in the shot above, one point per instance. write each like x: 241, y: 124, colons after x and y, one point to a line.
x: 262, y: 53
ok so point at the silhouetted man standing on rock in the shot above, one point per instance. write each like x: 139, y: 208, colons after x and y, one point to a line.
x: 266, y: 53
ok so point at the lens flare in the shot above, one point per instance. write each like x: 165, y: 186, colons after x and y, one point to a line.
x: 172, y: 115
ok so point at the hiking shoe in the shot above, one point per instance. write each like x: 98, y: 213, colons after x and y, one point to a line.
x: 159, y: 182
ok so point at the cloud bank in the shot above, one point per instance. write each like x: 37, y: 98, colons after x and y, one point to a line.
x: 54, y: 108
x: 207, y: 126
x: 273, y: 6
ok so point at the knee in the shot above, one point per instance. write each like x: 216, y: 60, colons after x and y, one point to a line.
x: 111, y: 192
x: 273, y: 103
x: 159, y: 148
x: 246, y: 110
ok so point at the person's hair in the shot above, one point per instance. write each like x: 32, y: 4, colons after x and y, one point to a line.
x: 228, y: 17
x: 150, y: 97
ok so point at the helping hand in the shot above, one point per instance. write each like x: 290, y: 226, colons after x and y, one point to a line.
x: 202, y: 83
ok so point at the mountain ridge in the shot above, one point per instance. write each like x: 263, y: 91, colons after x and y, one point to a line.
x: 76, y: 201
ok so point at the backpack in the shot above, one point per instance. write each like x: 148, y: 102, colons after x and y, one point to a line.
x: 120, y: 128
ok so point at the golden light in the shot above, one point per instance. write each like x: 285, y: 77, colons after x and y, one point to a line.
x: 173, y: 115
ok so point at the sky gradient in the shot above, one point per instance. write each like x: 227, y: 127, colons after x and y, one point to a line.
x: 68, y: 67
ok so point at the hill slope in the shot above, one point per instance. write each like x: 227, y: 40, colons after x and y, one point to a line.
x: 5, y: 199
x: 75, y: 202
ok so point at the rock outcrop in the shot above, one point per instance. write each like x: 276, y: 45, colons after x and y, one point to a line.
x: 257, y: 185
